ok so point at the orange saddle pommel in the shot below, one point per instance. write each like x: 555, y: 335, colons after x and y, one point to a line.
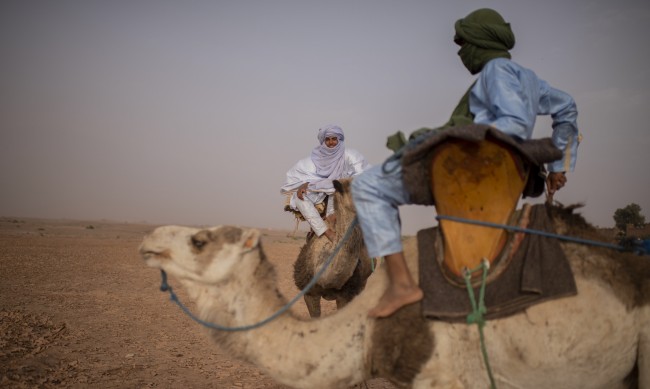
x: 479, y: 181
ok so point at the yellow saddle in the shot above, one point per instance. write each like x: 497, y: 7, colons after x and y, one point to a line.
x: 480, y: 181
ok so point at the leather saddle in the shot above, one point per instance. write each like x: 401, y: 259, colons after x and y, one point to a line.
x: 480, y: 181
x: 479, y: 173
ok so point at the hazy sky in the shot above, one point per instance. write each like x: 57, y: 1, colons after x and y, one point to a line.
x: 191, y: 112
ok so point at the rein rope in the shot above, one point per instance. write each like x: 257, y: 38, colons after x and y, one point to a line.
x: 164, y: 287
x: 535, y: 232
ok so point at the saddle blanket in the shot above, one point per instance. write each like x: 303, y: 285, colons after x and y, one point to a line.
x: 537, y: 272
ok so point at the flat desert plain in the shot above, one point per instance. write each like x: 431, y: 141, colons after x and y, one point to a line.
x: 78, y: 308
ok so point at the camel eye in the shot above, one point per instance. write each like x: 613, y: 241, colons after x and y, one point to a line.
x: 198, y: 243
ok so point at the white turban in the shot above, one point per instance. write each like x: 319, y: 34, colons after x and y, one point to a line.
x: 330, y: 162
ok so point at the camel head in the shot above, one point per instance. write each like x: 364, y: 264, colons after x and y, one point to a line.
x: 205, y: 256
x: 343, y: 196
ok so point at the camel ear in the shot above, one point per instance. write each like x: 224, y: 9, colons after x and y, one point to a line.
x: 338, y: 186
x: 250, y: 239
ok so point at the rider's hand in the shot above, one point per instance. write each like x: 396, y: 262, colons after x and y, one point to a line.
x: 302, y: 191
x: 555, y: 181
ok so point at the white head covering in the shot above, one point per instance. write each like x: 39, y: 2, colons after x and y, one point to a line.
x: 330, y: 162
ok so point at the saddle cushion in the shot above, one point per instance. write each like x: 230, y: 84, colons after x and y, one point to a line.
x: 537, y: 272
x: 417, y: 154
x: 320, y: 207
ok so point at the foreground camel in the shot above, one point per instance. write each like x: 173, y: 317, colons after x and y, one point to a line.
x: 599, y: 338
x: 346, y: 276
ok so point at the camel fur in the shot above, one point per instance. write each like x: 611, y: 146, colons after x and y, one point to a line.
x: 346, y: 276
x: 598, y: 339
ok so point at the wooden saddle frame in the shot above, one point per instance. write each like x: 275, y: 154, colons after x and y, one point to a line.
x: 479, y: 181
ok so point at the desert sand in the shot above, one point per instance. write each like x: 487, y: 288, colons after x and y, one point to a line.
x: 78, y: 308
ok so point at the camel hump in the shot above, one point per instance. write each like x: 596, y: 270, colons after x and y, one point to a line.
x: 480, y: 181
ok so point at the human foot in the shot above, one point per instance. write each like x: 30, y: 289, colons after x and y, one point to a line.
x: 331, y: 220
x: 331, y: 235
x: 395, y: 298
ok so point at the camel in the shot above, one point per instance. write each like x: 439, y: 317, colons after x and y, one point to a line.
x: 598, y: 338
x: 346, y: 276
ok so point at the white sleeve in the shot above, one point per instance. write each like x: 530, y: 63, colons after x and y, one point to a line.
x: 356, y: 163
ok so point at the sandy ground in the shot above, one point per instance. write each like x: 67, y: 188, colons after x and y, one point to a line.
x: 78, y: 308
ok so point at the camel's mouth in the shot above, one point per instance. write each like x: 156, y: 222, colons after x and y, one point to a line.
x: 153, y: 257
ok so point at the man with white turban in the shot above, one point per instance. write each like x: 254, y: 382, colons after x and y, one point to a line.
x: 309, y: 181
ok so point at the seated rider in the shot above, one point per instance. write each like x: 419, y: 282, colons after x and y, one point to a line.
x: 310, y: 180
x: 505, y: 96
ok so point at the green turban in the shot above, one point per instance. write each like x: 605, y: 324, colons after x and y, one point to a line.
x: 483, y: 35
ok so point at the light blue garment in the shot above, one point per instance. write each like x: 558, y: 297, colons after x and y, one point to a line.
x: 506, y: 96
x: 377, y: 196
x: 509, y: 97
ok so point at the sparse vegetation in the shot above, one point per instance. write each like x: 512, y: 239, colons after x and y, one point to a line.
x: 631, y: 214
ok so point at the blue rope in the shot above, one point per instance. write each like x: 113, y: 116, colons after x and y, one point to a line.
x: 531, y: 231
x: 164, y: 287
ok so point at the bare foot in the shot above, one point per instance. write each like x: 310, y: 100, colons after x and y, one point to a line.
x: 331, y: 220
x: 394, y: 298
x: 331, y: 235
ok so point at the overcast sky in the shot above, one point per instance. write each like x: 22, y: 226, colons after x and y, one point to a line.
x: 191, y: 112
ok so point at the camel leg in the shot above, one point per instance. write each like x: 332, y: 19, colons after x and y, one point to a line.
x: 313, y: 305
x: 341, y: 302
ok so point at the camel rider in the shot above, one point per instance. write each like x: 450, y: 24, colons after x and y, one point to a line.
x: 506, y: 96
x: 310, y: 179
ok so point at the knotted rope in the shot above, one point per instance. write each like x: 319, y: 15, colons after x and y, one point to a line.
x: 478, y: 311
